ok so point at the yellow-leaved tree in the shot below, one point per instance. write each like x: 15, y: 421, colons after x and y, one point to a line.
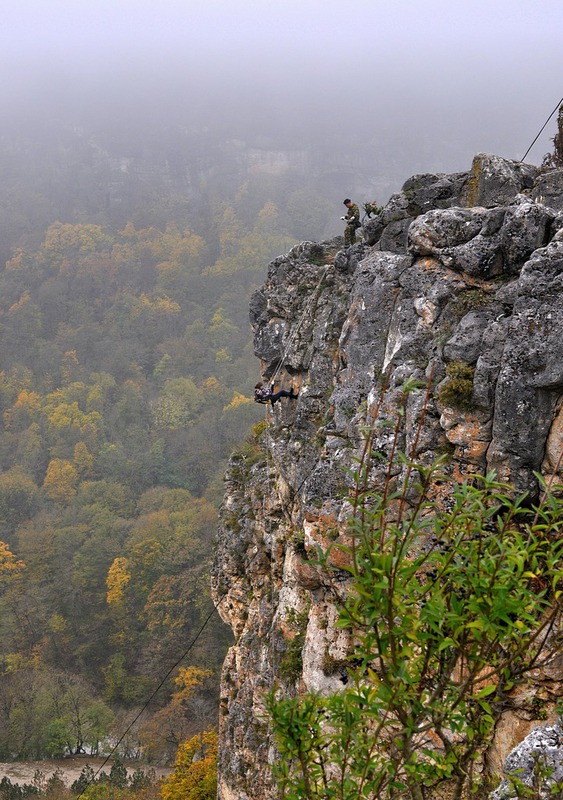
x: 119, y: 575
x: 195, y: 770
x: 60, y: 481
x: 10, y: 565
x: 176, y: 723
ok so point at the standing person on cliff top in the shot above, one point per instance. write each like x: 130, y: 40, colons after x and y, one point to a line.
x: 352, y: 220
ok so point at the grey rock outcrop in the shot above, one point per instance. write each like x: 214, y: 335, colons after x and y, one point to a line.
x: 419, y: 194
x: 495, y: 181
x: 548, y: 189
x: 537, y: 762
x: 462, y: 269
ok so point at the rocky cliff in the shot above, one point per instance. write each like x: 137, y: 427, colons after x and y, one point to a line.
x: 457, y: 281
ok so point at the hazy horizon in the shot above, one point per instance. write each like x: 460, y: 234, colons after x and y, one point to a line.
x: 425, y: 81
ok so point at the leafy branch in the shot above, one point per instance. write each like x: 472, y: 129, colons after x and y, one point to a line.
x: 453, y: 593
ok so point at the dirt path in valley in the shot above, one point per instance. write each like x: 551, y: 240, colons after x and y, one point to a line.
x: 24, y: 771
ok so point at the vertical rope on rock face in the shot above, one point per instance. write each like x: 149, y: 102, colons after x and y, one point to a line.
x: 306, y: 310
x: 265, y: 496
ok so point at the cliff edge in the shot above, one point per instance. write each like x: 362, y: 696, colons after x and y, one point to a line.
x: 458, y: 281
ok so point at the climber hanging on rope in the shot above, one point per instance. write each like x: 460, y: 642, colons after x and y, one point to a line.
x: 352, y: 220
x: 266, y: 395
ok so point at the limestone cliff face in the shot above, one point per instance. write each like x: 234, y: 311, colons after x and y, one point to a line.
x: 463, y: 270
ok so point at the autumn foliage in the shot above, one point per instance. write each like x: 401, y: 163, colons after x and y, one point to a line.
x: 195, y: 770
x: 125, y: 379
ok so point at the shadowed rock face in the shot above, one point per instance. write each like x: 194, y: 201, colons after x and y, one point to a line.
x: 466, y: 268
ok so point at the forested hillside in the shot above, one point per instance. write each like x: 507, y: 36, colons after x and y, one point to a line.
x: 125, y: 378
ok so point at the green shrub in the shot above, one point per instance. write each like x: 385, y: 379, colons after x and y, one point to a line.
x: 291, y: 665
x: 457, y: 389
x: 449, y: 609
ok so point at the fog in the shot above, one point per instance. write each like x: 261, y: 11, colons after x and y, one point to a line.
x: 408, y: 85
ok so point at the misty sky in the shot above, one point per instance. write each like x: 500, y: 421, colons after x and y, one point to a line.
x: 484, y: 74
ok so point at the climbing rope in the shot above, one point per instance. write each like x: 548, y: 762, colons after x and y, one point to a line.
x: 295, y: 331
x: 269, y: 460
x: 153, y: 695
x: 184, y: 655
x: 541, y: 131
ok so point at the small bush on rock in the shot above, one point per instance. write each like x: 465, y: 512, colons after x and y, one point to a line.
x: 457, y: 389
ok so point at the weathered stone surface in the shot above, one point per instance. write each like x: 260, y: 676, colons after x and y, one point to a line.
x: 348, y: 259
x: 530, y: 378
x: 372, y: 229
x: 429, y: 191
x: 348, y: 326
x: 489, y: 361
x: 554, y: 443
x: 394, y: 236
x: 543, y: 749
x: 495, y: 181
x: 421, y: 193
x: 466, y: 240
x: 466, y: 343
x: 437, y: 230
x: 548, y: 189
x: 525, y: 228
